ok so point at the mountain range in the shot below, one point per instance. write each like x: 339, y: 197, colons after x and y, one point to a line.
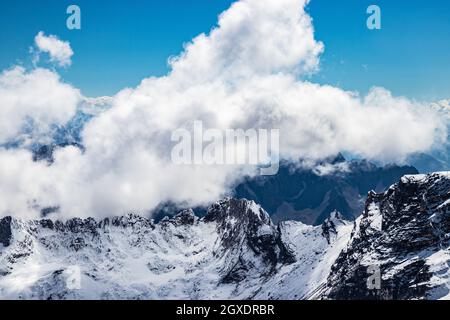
x: 236, y: 252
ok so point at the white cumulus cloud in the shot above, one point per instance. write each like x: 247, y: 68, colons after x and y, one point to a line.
x: 252, y: 38
x: 36, y: 100
x: 246, y: 73
x: 60, y: 51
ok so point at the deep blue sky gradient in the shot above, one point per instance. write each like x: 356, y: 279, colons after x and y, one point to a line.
x: 124, y: 41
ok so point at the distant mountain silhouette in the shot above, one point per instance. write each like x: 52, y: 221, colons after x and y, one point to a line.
x: 303, y: 194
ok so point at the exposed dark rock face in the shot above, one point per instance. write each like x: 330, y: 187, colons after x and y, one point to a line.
x: 5, y: 231
x: 131, y: 220
x: 329, y: 226
x: 246, y: 228
x: 399, y: 232
x: 184, y: 218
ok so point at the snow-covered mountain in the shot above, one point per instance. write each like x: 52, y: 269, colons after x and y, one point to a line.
x: 237, y: 252
x: 405, y: 232
x: 234, y: 252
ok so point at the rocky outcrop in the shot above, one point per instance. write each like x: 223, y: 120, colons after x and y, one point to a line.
x: 5, y: 231
x: 404, y: 233
x: 247, y: 234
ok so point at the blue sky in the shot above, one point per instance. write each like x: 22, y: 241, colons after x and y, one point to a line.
x: 122, y: 42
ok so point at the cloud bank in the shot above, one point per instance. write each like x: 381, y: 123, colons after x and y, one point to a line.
x: 60, y: 51
x: 248, y: 72
x: 30, y: 102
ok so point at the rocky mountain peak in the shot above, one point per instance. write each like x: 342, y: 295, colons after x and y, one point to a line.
x: 247, y: 234
x: 329, y: 226
x: 401, y: 232
x: 184, y: 217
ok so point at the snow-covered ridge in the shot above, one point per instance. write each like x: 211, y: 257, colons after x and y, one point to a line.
x: 237, y: 252
x: 405, y: 232
x: 425, y: 177
x: 234, y: 252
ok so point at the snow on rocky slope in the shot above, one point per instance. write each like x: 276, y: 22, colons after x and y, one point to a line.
x: 315, y: 249
x: 405, y: 232
x: 236, y: 252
